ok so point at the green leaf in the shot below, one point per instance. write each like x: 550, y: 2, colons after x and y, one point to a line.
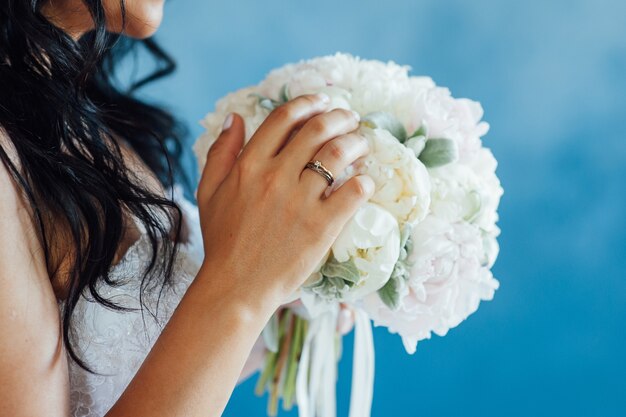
x: 421, y: 131
x: 439, y: 152
x: 416, y: 144
x: 267, y: 103
x: 346, y: 271
x: 387, y: 121
x: 390, y: 294
x: 284, y: 94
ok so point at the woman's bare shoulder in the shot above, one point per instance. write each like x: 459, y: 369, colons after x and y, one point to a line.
x: 16, y: 220
x: 20, y: 248
x: 31, y: 350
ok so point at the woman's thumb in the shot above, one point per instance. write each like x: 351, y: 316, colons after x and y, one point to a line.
x: 222, y: 156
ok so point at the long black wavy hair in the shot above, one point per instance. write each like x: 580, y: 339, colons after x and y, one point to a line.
x: 62, y: 111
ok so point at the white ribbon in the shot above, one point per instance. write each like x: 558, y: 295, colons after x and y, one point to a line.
x: 362, y: 366
x: 317, y: 370
x: 316, y: 381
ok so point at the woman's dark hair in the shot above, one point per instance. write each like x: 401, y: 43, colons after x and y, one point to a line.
x: 62, y: 111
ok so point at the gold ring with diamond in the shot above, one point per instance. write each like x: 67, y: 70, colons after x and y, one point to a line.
x: 321, y: 169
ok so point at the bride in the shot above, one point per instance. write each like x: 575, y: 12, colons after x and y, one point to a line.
x: 118, y: 296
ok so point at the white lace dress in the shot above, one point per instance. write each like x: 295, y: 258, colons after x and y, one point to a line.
x: 115, y: 343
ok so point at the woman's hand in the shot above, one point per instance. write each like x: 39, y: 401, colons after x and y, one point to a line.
x: 266, y: 225
x: 265, y: 222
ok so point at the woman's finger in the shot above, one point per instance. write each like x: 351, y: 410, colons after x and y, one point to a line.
x: 221, y: 157
x: 345, y: 200
x: 276, y: 129
x: 336, y: 155
x: 315, y: 133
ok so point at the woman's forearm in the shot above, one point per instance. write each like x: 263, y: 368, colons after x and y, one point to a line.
x: 194, y: 365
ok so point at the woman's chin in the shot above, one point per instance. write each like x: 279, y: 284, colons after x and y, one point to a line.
x: 141, y: 30
x: 143, y: 20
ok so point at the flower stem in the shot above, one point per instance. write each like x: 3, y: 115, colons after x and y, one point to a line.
x: 292, y: 364
x: 268, y: 370
x: 288, y: 323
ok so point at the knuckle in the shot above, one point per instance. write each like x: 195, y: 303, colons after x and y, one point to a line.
x: 359, y: 189
x: 216, y: 148
x: 361, y: 139
x: 355, y: 139
x: 292, y: 110
x: 361, y: 142
x: 318, y: 126
x: 308, y: 99
x: 245, y: 166
x: 336, y: 150
x: 285, y: 112
x: 346, y: 114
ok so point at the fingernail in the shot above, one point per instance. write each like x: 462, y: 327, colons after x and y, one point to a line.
x: 368, y: 184
x: 324, y: 97
x: 228, y: 122
x: 357, y: 116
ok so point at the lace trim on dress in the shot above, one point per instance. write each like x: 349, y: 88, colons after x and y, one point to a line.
x: 115, y: 343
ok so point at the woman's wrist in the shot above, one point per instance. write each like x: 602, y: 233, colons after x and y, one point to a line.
x: 202, y: 349
x: 223, y: 286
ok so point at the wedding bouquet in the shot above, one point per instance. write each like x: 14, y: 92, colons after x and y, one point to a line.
x: 416, y: 258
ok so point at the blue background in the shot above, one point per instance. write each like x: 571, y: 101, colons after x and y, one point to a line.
x: 551, y: 78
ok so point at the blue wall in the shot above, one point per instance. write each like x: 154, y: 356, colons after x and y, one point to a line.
x: 551, y: 78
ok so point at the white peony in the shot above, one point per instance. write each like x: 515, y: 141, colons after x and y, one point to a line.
x: 484, y: 164
x: 374, y: 85
x: 372, y: 240
x: 468, y: 192
x: 444, y: 116
x: 447, y: 282
x: 402, y: 182
x: 370, y: 243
